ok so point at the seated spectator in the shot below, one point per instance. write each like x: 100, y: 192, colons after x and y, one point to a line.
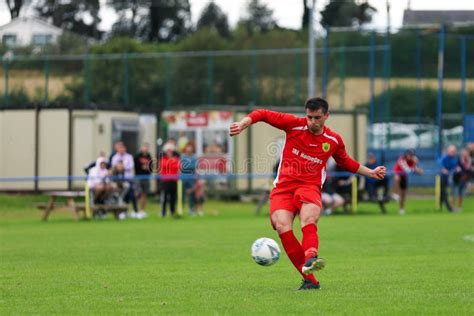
x: 99, y: 182
x: 129, y: 166
x: 198, y: 191
x: 91, y: 165
x: 330, y: 198
x: 121, y: 185
x: 372, y: 185
x: 343, y: 183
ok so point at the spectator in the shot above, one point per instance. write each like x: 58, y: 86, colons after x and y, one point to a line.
x: 406, y: 164
x: 372, y: 185
x: 183, y: 141
x: 117, y: 145
x: 160, y: 155
x: 470, y: 148
x: 129, y: 166
x: 121, y: 185
x: 448, y: 163
x: 198, y: 191
x: 343, y: 183
x: 99, y: 182
x: 91, y: 165
x: 460, y: 179
x: 188, y: 172
x: 169, y: 172
x: 330, y: 198
x: 143, y: 163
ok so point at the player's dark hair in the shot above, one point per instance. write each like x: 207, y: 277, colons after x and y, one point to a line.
x: 314, y: 104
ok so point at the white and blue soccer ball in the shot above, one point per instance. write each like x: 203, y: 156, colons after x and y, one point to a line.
x: 265, y: 251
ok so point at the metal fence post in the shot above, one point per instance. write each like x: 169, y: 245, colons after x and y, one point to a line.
x: 463, y: 74
x: 372, y: 78
x: 325, y: 78
x: 210, y: 80
x: 342, y: 76
x: 126, y: 96
x: 253, y: 71
x: 168, y: 82
x: 87, y: 79
x: 439, y: 103
x: 388, y: 100
x: 384, y: 100
x: 298, y: 79
x: 418, y: 77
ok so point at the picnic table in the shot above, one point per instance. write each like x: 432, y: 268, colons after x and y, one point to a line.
x: 77, y: 201
x: 74, y: 202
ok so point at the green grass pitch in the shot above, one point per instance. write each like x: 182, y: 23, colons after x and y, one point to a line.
x: 421, y: 263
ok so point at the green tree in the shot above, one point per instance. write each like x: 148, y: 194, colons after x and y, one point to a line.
x: 72, y: 15
x: 170, y: 20
x: 14, y: 6
x: 132, y: 18
x: 259, y: 18
x: 346, y: 13
x: 153, y: 21
x: 213, y: 17
x: 305, y: 19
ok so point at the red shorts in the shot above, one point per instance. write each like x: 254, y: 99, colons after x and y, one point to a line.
x: 291, y: 197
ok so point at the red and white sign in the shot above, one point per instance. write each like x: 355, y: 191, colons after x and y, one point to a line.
x: 194, y: 119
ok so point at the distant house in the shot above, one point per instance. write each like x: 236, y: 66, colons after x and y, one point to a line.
x: 29, y: 31
x: 420, y: 17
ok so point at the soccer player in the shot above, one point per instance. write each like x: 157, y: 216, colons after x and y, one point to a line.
x: 406, y: 164
x: 301, y: 174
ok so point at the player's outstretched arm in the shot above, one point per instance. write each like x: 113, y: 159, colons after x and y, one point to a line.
x: 377, y: 173
x: 237, y: 127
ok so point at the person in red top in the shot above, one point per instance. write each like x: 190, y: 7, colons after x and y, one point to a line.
x: 301, y: 174
x: 406, y: 164
x: 169, y: 171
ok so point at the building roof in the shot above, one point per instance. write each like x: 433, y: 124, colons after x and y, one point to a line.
x: 30, y: 19
x: 417, y: 17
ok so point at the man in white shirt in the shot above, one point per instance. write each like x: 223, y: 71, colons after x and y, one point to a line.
x: 129, y: 165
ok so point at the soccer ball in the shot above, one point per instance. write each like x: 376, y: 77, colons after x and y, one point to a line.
x: 265, y: 251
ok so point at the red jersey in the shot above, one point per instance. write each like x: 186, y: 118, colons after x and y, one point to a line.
x: 304, y: 155
x: 404, y: 166
x: 169, y: 168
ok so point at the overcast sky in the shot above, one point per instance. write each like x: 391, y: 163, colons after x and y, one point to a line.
x: 288, y: 12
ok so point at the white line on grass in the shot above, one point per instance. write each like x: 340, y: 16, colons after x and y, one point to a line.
x: 469, y: 237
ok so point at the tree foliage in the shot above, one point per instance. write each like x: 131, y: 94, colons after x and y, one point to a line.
x: 259, y: 18
x: 213, y: 17
x: 170, y: 20
x: 14, y: 6
x: 81, y: 17
x: 153, y: 21
x: 305, y: 18
x: 132, y: 19
x: 346, y: 13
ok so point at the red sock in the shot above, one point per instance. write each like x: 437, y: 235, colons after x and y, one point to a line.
x: 310, y: 242
x: 295, y: 253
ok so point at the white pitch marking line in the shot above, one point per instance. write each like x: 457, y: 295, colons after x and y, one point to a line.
x: 469, y: 237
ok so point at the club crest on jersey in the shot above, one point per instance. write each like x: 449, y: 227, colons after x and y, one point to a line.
x: 326, y: 147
